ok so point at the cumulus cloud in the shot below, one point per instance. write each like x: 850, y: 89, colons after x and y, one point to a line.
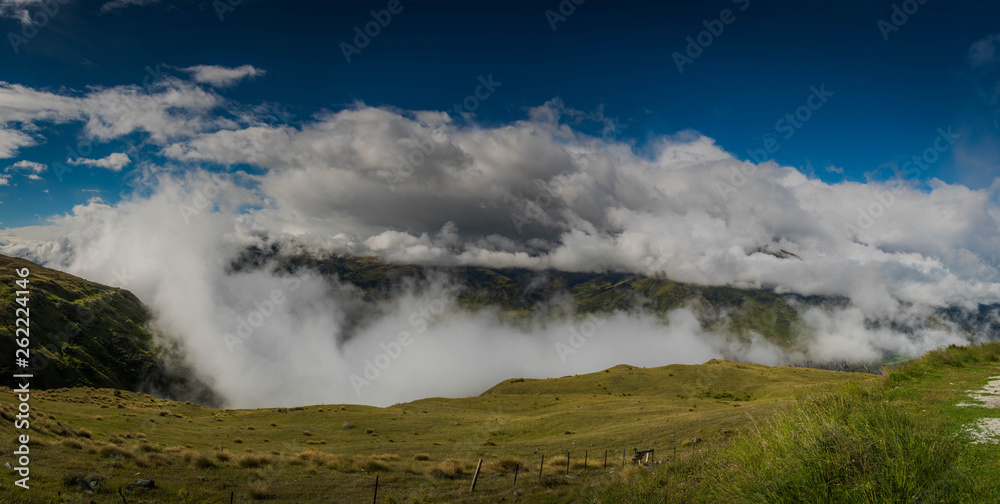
x: 13, y: 140
x: 121, y: 4
x: 114, y: 162
x: 539, y: 194
x: 18, y: 9
x: 25, y: 165
x: 165, y: 109
x: 220, y: 76
x: 415, y: 187
x: 4, y: 180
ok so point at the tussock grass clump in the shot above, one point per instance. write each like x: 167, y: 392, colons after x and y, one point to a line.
x: 199, y: 460
x: 421, y: 457
x: 146, y: 447
x: 84, y: 433
x: 253, y: 460
x: 449, y: 469
x: 316, y: 456
x: 505, y: 463
x: 109, y: 451
x: 558, y: 462
x: 72, y: 443
x: 848, y: 446
x: 348, y: 463
x: 259, y: 491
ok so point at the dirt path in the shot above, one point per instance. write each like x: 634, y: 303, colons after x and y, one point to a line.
x: 985, y: 430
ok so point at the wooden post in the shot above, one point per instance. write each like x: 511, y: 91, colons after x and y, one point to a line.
x: 623, y: 459
x: 540, y: 467
x: 122, y: 495
x: 567, y: 462
x: 605, y: 458
x: 517, y: 467
x: 231, y: 496
x: 475, y: 477
x: 375, y: 497
x: 585, y: 460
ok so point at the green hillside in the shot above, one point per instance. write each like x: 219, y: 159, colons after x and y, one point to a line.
x: 83, y: 334
x: 423, y: 451
x: 721, y: 432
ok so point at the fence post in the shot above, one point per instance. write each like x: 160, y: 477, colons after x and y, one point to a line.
x: 567, y: 462
x: 231, y: 496
x: 375, y: 497
x: 540, y: 467
x: 517, y: 467
x: 584, y: 460
x: 476, y: 476
x: 623, y: 458
x: 605, y: 458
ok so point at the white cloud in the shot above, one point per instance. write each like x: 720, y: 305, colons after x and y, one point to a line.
x: 554, y: 197
x: 538, y: 193
x: 34, y: 177
x: 120, y: 4
x: 25, y: 165
x: 114, y: 162
x: 220, y: 76
x: 18, y: 9
x: 167, y: 109
x: 4, y: 180
x: 835, y: 169
x: 11, y: 141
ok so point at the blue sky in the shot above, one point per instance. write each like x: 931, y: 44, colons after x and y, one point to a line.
x: 889, y: 96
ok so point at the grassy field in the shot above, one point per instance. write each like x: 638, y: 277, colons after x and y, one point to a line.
x: 764, y: 434
x: 424, y: 451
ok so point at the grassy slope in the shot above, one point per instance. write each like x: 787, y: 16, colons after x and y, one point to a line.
x: 898, y: 439
x: 82, y: 333
x: 621, y: 408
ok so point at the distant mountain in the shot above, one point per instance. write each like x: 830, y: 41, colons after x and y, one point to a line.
x: 87, y: 334
x: 520, y: 293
